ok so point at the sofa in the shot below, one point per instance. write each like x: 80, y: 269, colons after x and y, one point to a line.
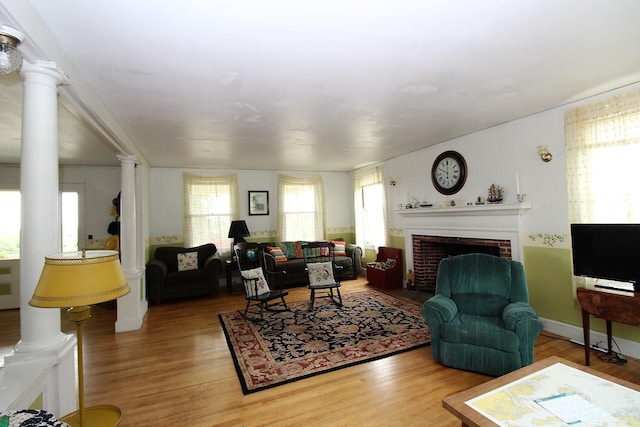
x: 294, y: 265
x: 177, y: 272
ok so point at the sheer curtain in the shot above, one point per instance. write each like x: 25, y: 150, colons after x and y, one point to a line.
x: 370, y: 207
x: 300, y: 208
x: 603, y: 148
x: 210, y: 203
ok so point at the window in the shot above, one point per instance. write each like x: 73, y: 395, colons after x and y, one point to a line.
x: 370, y: 208
x: 603, y: 148
x: 10, y: 224
x: 300, y: 208
x: 70, y: 223
x: 210, y: 203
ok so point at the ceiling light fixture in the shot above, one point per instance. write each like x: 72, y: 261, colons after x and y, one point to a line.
x: 10, y: 57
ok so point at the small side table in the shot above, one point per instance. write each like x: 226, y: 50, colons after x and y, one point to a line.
x: 230, y: 266
x: 616, y: 306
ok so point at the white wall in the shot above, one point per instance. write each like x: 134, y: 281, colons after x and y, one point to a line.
x: 496, y: 155
x: 166, y: 201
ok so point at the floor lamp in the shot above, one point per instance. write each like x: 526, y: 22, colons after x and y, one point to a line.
x: 78, y: 280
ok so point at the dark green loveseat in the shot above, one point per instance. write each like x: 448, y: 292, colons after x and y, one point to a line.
x: 165, y: 281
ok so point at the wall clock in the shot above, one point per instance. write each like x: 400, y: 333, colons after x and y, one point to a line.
x: 449, y: 172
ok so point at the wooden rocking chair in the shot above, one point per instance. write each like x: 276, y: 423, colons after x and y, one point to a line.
x: 324, y: 274
x: 258, y: 290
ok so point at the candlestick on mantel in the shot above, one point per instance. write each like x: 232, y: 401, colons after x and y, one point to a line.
x: 517, y: 184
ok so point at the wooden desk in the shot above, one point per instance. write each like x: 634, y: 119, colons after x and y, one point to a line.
x: 456, y: 403
x: 616, y: 306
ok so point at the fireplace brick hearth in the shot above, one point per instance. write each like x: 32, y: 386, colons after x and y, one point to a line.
x: 428, y: 251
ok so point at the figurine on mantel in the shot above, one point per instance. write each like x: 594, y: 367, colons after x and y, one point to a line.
x: 495, y: 194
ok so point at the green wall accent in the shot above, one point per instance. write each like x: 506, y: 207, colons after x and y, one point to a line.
x: 5, y: 288
x: 348, y: 237
x: 548, y: 272
x: 38, y: 403
x: 394, y: 242
x: 5, y: 270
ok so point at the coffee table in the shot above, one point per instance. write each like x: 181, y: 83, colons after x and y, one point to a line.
x: 510, y: 399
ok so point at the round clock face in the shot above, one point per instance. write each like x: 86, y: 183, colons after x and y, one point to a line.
x: 449, y: 172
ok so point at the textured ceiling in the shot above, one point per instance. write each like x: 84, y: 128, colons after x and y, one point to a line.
x: 312, y: 85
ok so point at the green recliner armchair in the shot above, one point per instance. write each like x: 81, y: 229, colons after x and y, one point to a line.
x: 480, y: 318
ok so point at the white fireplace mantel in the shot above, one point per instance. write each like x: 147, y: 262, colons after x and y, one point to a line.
x: 497, y: 221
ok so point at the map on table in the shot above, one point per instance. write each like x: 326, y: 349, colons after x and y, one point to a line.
x: 579, y: 397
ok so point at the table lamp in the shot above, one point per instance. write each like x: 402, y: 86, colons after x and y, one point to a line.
x: 78, y: 280
x: 238, y: 231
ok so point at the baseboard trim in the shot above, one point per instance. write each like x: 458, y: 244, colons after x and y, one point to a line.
x: 574, y: 333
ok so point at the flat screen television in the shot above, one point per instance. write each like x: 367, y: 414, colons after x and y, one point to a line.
x: 607, y: 251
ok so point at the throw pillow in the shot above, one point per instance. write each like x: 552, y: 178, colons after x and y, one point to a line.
x: 253, y: 288
x: 340, y: 249
x: 188, y: 261
x: 292, y: 250
x: 277, y: 253
x: 324, y: 251
x: 320, y: 273
x: 297, y: 249
x: 287, y: 249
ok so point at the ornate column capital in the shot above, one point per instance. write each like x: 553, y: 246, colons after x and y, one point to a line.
x: 45, y: 72
x: 127, y: 158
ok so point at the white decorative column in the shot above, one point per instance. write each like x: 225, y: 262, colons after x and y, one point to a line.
x: 43, y: 360
x: 132, y: 307
x: 39, y: 196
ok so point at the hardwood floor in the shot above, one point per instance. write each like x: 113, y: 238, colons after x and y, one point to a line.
x: 177, y: 370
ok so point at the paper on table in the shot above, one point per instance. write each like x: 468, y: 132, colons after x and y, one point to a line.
x: 571, y: 408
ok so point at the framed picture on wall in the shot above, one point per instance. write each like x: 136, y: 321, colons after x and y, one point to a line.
x: 258, y: 203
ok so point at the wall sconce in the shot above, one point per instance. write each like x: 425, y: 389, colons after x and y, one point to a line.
x: 10, y: 57
x: 392, y: 182
x: 544, y: 153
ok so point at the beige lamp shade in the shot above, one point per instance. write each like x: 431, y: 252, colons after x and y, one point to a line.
x: 73, y: 279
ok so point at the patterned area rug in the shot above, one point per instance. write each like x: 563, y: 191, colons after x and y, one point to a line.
x: 300, y: 343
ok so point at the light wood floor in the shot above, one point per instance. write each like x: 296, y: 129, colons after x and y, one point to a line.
x: 177, y: 370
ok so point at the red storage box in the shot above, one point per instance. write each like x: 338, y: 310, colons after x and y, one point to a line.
x: 386, y: 271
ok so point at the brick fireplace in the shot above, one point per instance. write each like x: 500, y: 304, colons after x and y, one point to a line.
x: 434, y: 233
x: 429, y: 250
